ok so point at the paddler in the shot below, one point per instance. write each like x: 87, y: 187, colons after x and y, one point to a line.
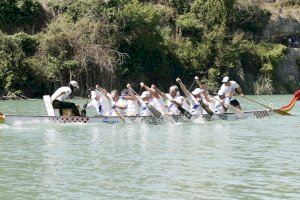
x: 158, y: 101
x: 62, y: 93
x: 118, y: 104
x: 217, y: 103
x: 174, y: 99
x: 229, y: 88
x: 100, y: 101
x: 194, y: 98
x: 133, y: 108
x: 146, y: 98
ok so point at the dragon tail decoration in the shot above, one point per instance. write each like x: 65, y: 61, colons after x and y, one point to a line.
x: 290, y: 106
x: 2, y: 118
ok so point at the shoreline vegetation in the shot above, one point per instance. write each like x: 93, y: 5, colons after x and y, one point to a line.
x: 45, y: 43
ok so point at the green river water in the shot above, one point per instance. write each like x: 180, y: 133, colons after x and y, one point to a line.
x: 245, y: 159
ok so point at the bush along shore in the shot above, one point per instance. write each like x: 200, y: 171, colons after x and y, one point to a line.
x: 44, y: 44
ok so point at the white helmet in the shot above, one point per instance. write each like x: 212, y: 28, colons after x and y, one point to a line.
x: 174, y: 88
x: 74, y: 84
x: 225, y: 79
x: 145, y: 94
x: 196, y: 91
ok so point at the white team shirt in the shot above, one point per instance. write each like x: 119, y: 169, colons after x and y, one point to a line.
x: 216, y: 106
x: 66, y: 90
x: 227, y: 90
x: 144, y: 111
x: 120, y: 103
x: 195, y: 107
x: 172, y: 108
x: 102, y: 105
x: 133, y: 108
x: 105, y: 105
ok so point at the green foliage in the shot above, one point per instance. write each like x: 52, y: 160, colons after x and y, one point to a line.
x: 16, y: 74
x: 263, y: 85
x: 250, y: 19
x: 290, y: 3
x: 11, y: 67
x: 181, y: 6
x: 116, y: 41
x: 18, y: 12
x: 270, y: 56
x: 28, y: 43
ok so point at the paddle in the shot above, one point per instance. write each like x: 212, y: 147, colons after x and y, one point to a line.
x: 152, y: 109
x: 190, y: 89
x: 83, y: 111
x: 193, y: 84
x: 275, y: 110
x: 186, y: 113
x: 119, y: 114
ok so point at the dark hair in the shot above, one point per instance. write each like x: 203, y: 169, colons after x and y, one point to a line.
x: 91, y: 89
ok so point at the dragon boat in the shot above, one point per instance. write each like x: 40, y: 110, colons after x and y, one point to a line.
x: 51, y: 118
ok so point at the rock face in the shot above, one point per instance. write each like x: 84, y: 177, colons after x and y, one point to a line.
x: 281, y: 29
x: 285, y: 21
x: 289, y: 72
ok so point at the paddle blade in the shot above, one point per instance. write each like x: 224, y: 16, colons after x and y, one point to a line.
x: 206, y: 108
x: 185, y: 112
x: 154, y: 111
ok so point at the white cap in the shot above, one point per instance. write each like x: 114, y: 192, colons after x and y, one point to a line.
x: 74, y: 84
x: 173, y: 88
x: 220, y: 93
x: 196, y: 91
x: 225, y: 79
x: 145, y: 94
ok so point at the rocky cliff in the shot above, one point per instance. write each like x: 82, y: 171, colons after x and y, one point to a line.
x: 288, y: 72
x: 285, y: 21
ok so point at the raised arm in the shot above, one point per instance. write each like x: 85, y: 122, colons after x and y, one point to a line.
x: 130, y: 92
x: 160, y: 93
x: 206, y: 96
x: 131, y: 95
x: 183, y: 88
x: 143, y: 85
x: 201, y: 86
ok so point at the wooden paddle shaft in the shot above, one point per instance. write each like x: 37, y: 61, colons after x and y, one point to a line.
x: 257, y: 102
